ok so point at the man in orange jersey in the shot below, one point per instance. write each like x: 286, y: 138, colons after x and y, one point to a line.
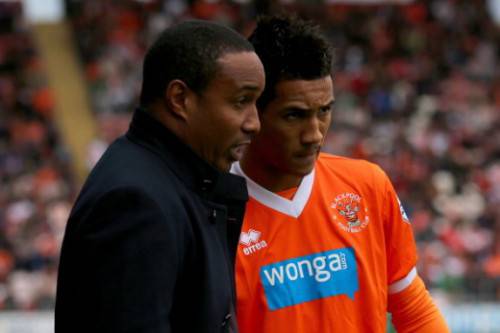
x: 325, y: 244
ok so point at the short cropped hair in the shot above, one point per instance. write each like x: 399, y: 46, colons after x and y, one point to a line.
x: 290, y: 48
x: 188, y: 52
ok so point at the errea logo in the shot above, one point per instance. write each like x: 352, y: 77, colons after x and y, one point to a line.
x: 251, y: 241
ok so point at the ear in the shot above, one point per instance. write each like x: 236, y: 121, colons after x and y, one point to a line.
x: 178, y: 98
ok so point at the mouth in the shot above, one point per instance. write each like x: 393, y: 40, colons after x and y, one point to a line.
x: 307, y: 157
x: 308, y: 153
x: 236, y: 152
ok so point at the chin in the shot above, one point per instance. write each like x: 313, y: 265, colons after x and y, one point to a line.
x: 223, y: 166
x: 303, y: 171
x: 227, y: 167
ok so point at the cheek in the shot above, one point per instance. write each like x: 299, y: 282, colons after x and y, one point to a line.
x: 225, y: 126
x: 275, y: 145
x: 228, y: 122
x: 324, y: 132
x: 325, y: 125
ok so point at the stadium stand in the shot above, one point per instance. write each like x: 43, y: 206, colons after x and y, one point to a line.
x: 37, y: 185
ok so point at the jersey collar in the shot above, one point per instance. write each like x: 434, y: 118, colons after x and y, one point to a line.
x: 292, y: 207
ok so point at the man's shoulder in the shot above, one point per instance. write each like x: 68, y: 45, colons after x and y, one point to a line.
x: 126, y: 165
x: 127, y: 154
x: 341, y: 164
x: 351, y: 170
x: 126, y: 161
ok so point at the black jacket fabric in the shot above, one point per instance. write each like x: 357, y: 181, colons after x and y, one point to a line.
x: 151, y: 240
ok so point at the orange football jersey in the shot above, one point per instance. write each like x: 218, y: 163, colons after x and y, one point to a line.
x: 326, y: 260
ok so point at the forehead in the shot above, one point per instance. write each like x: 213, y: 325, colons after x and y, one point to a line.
x: 304, y: 93
x: 240, y: 69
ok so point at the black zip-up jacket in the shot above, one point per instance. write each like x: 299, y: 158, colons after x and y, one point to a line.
x: 151, y: 241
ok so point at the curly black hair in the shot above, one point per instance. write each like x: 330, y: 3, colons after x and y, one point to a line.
x: 290, y: 48
x: 188, y: 52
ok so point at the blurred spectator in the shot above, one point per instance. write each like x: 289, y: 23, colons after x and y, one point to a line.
x: 34, y: 172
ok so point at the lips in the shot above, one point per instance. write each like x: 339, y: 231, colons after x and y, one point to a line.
x: 307, y: 157
x: 238, y: 150
x: 308, y: 153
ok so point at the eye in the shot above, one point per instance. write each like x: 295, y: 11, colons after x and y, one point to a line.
x: 294, y: 114
x: 242, y: 101
x: 291, y: 115
x: 325, y: 109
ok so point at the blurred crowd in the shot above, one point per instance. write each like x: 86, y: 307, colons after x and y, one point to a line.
x: 36, y: 187
x: 417, y: 91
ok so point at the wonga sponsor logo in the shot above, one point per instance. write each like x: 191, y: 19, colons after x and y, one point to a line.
x: 251, y: 241
x: 310, y: 277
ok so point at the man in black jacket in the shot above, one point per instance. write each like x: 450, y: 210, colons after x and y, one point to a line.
x: 150, y: 243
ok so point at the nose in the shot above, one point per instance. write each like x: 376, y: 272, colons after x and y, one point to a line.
x: 251, y: 123
x: 314, y: 132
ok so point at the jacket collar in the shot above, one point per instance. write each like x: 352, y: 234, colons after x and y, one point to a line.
x: 193, y: 171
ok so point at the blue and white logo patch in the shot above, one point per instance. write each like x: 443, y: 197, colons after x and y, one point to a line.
x: 310, y: 277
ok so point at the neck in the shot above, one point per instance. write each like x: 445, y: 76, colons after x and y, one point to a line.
x: 268, y: 176
x: 168, y: 120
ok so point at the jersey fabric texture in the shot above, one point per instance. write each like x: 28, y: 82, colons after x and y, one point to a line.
x: 326, y: 260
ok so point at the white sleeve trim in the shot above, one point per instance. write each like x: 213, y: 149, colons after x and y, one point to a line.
x: 401, y: 285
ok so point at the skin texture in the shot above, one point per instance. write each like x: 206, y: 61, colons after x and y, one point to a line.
x: 293, y: 127
x: 222, y: 120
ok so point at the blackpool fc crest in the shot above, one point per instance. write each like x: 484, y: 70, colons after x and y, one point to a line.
x: 349, y: 212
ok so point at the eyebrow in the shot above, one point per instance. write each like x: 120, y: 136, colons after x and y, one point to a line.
x: 298, y: 108
x: 250, y: 87
x: 330, y: 104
